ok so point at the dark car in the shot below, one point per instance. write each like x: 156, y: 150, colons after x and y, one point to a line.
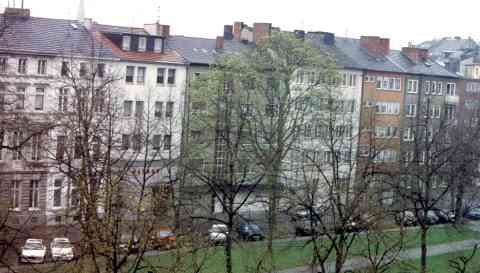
x: 250, y: 232
x: 473, y: 214
x: 304, y: 223
x: 444, y: 216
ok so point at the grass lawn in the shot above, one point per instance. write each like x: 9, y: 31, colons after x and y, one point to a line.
x: 289, y: 254
x: 440, y: 263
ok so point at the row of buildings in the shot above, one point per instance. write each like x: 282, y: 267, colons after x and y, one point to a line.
x: 386, y: 88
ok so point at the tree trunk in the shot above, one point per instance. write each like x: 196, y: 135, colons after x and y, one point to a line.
x: 423, y: 247
x: 272, y: 216
x: 459, y: 203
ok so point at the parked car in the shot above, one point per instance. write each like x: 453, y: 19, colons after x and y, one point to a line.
x: 431, y: 218
x: 444, y: 216
x: 406, y: 218
x: 164, y: 238
x: 473, y: 214
x: 33, y: 251
x: 250, y: 232
x: 218, y: 233
x: 304, y: 224
x: 61, y: 249
x: 129, y: 243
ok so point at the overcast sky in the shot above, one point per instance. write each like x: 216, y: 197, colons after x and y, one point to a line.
x: 402, y: 21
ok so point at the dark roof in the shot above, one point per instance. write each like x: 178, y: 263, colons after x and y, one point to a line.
x: 201, y: 50
x: 45, y: 36
x: 333, y: 51
x: 426, y: 67
x: 437, y: 47
x: 363, y: 60
x: 119, y: 29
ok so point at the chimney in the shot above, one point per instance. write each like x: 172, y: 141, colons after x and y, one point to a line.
x: 375, y: 46
x: 261, y: 31
x: 228, y: 32
x: 87, y: 23
x: 415, y: 54
x: 299, y: 34
x: 16, y: 12
x: 157, y: 29
x: 319, y: 38
x: 237, y: 30
x: 219, y: 42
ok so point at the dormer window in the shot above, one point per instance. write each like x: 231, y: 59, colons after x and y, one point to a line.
x: 158, y: 45
x: 126, y: 42
x: 142, y: 44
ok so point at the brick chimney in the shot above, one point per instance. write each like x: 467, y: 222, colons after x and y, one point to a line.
x: 17, y: 12
x: 157, y: 29
x: 261, y: 31
x: 237, y: 30
x: 415, y: 54
x: 375, y: 45
x: 219, y: 42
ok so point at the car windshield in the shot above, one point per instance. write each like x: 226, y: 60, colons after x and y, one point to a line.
x: 33, y: 246
x: 252, y: 227
x: 219, y: 228
x: 475, y: 210
x: 165, y: 233
x: 63, y: 244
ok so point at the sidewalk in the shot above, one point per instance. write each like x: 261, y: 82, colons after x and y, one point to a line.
x: 409, y: 254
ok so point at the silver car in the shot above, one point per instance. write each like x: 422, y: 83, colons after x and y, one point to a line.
x: 61, y: 249
x: 33, y: 251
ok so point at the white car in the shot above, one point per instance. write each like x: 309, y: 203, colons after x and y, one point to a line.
x: 61, y: 249
x: 33, y: 251
x: 218, y: 233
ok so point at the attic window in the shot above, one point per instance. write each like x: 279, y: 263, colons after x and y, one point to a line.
x: 74, y: 26
x: 158, y: 47
x: 142, y: 44
x: 126, y: 42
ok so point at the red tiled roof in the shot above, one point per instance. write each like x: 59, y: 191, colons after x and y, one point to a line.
x: 168, y: 56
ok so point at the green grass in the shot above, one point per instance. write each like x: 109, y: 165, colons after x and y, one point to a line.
x: 440, y: 263
x: 289, y: 254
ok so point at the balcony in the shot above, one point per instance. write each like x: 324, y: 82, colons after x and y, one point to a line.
x: 452, y: 99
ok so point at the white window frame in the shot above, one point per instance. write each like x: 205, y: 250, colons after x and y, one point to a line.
x: 142, y: 44
x: 388, y: 108
x: 141, y: 74
x: 451, y: 89
x: 16, y: 195
x: 158, y: 45
x: 409, y: 112
x: 126, y: 42
x: 412, y: 86
x: 408, y: 134
x: 34, y: 195
x: 57, y: 190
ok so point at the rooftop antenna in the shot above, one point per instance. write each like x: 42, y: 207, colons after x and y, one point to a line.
x: 158, y: 14
x: 13, y: 3
x: 346, y: 32
x: 22, y: 4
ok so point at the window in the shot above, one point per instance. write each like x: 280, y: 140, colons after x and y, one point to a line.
x: 412, y: 86
x: 386, y: 156
x: 439, y: 88
x: 63, y: 100
x: 158, y: 109
x: 160, y: 75
x: 299, y: 76
x: 99, y: 100
x: 158, y: 45
x: 17, y: 144
x: 308, y: 130
x: 42, y: 67
x: 389, y: 108
x: 57, y: 192
x: 139, y: 109
x: 388, y: 83
x: 167, y: 142
x: 125, y: 142
x: 411, y: 110
x: 137, y: 143
x: 39, y: 98
x: 450, y: 111
x: 127, y: 108
x: 77, y: 152
x: 156, y: 142
x: 126, y: 42
x: 20, y: 98
x: 352, y: 80
x: 426, y: 87
x: 34, y: 195
x: 386, y: 131
x: 3, y: 65
x: 408, y: 134
x: 451, y: 89
x: 36, y: 147
x: 74, y: 197
x: 65, y: 69
x: 169, y: 109
x: 435, y: 111
x: 130, y: 74
x: 141, y: 75
x: 60, y: 151
x: 83, y: 69
x: 22, y: 66
x: 142, y: 44
x: 15, y: 194
x: 171, y: 76
x: 408, y: 156
x: 100, y: 70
